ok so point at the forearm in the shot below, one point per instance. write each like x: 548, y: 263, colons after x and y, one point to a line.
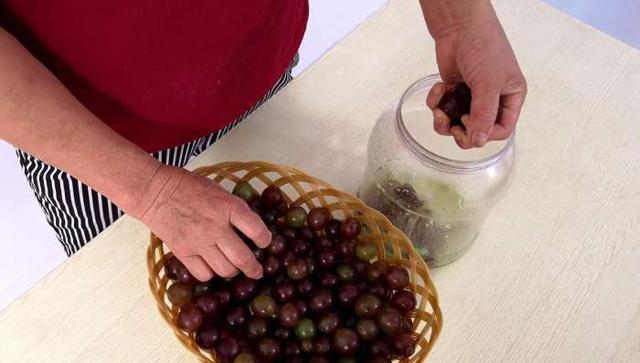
x: 444, y: 17
x: 39, y: 115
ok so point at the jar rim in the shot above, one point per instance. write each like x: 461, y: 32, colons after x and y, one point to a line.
x: 432, y: 158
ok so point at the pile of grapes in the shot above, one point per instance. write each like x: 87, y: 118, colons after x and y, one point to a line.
x: 321, y: 298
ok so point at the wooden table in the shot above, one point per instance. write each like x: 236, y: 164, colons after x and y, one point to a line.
x: 554, y: 275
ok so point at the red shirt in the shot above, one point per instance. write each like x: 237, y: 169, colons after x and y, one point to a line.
x: 162, y: 72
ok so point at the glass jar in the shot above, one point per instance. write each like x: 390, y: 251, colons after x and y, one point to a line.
x: 437, y: 193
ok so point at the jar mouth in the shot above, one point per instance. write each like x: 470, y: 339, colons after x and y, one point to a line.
x: 431, y: 157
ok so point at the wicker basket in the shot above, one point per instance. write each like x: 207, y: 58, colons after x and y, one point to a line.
x: 302, y: 189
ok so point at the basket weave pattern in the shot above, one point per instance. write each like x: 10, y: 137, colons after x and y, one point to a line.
x: 301, y: 189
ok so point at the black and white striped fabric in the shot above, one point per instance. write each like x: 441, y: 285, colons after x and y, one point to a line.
x: 77, y: 213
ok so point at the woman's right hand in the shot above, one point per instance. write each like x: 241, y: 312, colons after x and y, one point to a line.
x: 195, y: 217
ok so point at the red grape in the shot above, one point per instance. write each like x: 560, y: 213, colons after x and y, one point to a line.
x: 190, y: 317
x: 345, y: 341
x: 209, y: 304
x: 318, y: 218
x: 404, y: 301
x: 350, y: 228
x: 397, y: 278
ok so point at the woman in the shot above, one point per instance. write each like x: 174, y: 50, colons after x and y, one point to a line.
x: 106, y: 101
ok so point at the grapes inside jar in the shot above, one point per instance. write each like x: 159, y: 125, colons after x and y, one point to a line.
x: 438, y: 194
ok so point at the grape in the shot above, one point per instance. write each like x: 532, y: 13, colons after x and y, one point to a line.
x: 368, y: 306
x: 281, y: 208
x: 347, y: 294
x: 292, y: 347
x: 183, y: 275
x: 346, y: 249
x: 361, y: 266
x: 209, y: 304
x: 304, y: 287
x: 282, y: 333
x: 257, y: 328
x: 245, y: 358
x: 397, y: 278
x: 366, y: 251
x: 202, y: 288
x: 295, y: 360
x: 179, y: 293
x: 363, y: 285
x: 297, y: 270
x: 287, y: 258
x: 190, y: 317
x: 206, y: 336
x: 380, y: 348
x: 346, y: 273
x: 269, y: 218
x: 269, y: 348
x: 289, y: 315
x: 327, y: 259
x: 379, y: 289
x: 227, y: 348
x: 350, y: 228
x: 324, y: 243
x: 367, y: 329
x: 345, y: 341
x: 322, y: 345
x: 278, y: 245
x: 347, y: 360
x: 270, y: 197
x: 306, y: 345
x: 318, y: 218
x: 244, y: 288
x: 264, y: 306
x: 332, y: 228
x: 404, y: 344
x: 306, y: 233
x: 305, y: 329
x: 376, y: 270
x: 271, y: 266
x: 236, y: 318
x: 404, y: 301
x: 244, y: 190
x: 327, y: 279
x: 171, y: 266
x: 302, y: 307
x: 328, y: 323
x: 456, y: 103
x: 224, y: 294
x: 296, y: 216
x: 285, y: 291
x: 311, y: 265
x: 289, y: 233
x: 389, y: 321
x: 321, y: 301
x: 301, y: 247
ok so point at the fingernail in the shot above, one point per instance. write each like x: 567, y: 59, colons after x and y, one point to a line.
x: 479, y: 138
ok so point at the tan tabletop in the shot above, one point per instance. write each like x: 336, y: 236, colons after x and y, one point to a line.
x: 554, y: 275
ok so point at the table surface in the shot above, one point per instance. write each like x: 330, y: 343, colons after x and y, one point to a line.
x: 554, y: 275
